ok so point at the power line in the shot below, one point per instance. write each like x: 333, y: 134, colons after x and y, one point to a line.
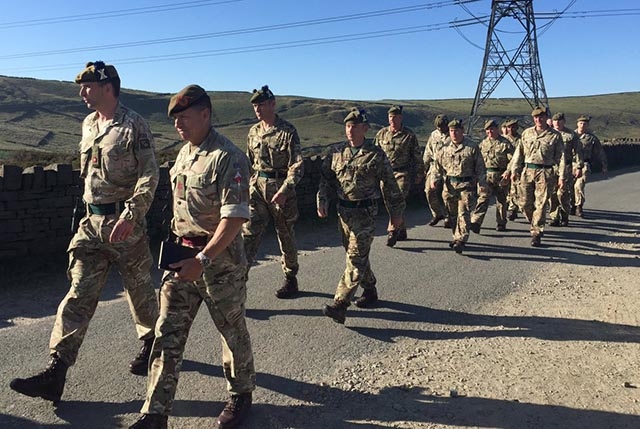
x: 113, y: 14
x: 306, y: 23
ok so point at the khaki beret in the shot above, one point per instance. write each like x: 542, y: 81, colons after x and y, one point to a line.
x: 456, y: 123
x: 585, y: 118
x: 539, y: 110
x: 511, y: 122
x: 263, y: 94
x: 97, y: 72
x: 186, y: 98
x: 558, y: 116
x: 395, y: 110
x: 490, y: 123
x: 440, y: 120
x: 359, y: 116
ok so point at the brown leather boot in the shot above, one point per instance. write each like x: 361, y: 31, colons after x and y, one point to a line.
x: 435, y: 220
x: 392, y: 238
x: 336, y: 310
x: 402, y: 235
x: 368, y: 298
x: 289, y: 288
x: 48, y: 384
x: 150, y: 421
x: 579, y: 211
x: 236, y: 410
x: 140, y: 364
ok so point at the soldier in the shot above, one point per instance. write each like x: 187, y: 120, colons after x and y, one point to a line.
x: 591, y: 148
x: 511, y: 133
x: 120, y: 175
x: 274, y: 154
x: 356, y: 169
x: 437, y: 140
x: 560, y: 204
x: 461, y: 166
x: 401, y: 147
x: 210, y: 188
x: 496, y: 153
x: 540, y: 152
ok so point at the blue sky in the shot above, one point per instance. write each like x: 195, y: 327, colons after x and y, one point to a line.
x: 419, y: 57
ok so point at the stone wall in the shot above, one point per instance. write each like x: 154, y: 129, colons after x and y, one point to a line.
x: 36, y: 203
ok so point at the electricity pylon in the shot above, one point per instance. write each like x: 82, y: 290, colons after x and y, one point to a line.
x: 520, y: 62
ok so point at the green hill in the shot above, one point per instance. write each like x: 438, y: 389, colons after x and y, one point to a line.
x: 40, y: 120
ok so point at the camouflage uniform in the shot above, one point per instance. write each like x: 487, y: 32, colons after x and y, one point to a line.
x: 437, y: 140
x: 463, y: 166
x: 541, y: 155
x: 496, y: 154
x: 512, y: 198
x: 560, y: 204
x: 357, y: 175
x: 119, y: 170
x: 403, y: 151
x: 276, y: 161
x: 591, y: 147
x: 208, y: 184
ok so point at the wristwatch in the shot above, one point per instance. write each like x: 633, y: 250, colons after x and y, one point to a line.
x: 204, y: 260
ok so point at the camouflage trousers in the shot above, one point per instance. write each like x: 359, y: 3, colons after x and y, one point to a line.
x: 284, y: 219
x: 357, y: 229
x: 580, y: 185
x: 536, y: 186
x: 513, y: 198
x: 404, y: 183
x: 434, y: 198
x: 560, y: 201
x: 223, y: 290
x: 460, y: 199
x: 496, y: 187
x: 91, y: 257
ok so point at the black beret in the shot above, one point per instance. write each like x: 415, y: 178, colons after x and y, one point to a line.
x: 359, y: 116
x: 263, y: 94
x: 186, y: 98
x: 396, y: 109
x: 456, y: 123
x: 97, y: 72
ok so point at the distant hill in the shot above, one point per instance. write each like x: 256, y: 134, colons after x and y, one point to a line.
x: 40, y: 119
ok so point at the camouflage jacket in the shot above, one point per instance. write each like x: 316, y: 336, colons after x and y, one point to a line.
x: 437, y: 140
x: 358, y: 176
x: 496, y: 153
x: 276, y: 150
x: 591, y: 147
x: 402, y: 149
x: 544, y: 148
x: 209, y: 182
x: 572, y: 148
x: 460, y: 160
x: 118, y: 162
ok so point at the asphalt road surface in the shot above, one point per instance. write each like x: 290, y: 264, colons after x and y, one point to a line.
x: 422, y: 283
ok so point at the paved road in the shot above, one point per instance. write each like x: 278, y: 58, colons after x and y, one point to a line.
x: 423, y: 284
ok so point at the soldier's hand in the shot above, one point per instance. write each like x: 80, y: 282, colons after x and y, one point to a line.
x: 190, y: 270
x: 433, y: 185
x: 279, y: 199
x: 560, y: 183
x: 121, y: 231
x: 577, y: 172
x: 322, y: 211
x: 514, y: 177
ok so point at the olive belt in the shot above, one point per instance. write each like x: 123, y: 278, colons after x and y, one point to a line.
x: 106, y: 209
x: 537, y: 166
x: 495, y: 170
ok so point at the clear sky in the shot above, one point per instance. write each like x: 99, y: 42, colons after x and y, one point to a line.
x: 408, y: 51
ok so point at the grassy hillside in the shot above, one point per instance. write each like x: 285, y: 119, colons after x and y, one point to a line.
x: 40, y: 120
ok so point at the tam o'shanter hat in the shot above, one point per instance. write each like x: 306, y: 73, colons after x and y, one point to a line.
x: 558, y: 116
x: 358, y: 116
x: 262, y: 94
x: 490, y: 123
x: 97, y: 72
x: 456, y: 123
x: 440, y: 120
x: 539, y: 110
x: 396, y: 109
x: 585, y: 118
x: 186, y: 98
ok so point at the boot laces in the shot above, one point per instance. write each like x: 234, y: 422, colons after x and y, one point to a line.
x: 235, y: 403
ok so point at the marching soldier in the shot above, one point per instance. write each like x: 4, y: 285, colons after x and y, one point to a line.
x: 510, y: 129
x: 437, y: 140
x: 591, y: 148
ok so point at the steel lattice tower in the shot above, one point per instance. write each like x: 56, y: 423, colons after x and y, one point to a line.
x: 521, y: 62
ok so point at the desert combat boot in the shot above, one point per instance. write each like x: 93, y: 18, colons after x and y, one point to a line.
x: 336, y: 310
x: 140, y: 364
x: 289, y: 288
x: 235, y: 411
x: 48, y: 384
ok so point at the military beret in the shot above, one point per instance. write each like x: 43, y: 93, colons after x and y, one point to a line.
x: 490, y: 123
x: 585, y: 118
x: 97, y: 72
x: 263, y: 94
x: 510, y: 122
x: 395, y: 110
x: 456, y: 123
x: 539, y: 110
x: 558, y: 116
x: 186, y: 98
x: 359, y: 116
x: 440, y: 120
